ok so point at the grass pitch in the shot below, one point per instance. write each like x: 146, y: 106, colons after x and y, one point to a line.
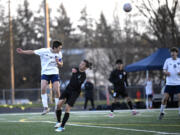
x: 93, y: 123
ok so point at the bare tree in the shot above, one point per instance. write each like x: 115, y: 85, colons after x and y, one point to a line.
x: 161, y: 17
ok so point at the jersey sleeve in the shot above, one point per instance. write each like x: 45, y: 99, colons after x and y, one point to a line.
x: 113, y: 79
x: 60, y: 56
x: 82, y: 79
x: 165, y: 67
x: 125, y: 79
x: 40, y: 51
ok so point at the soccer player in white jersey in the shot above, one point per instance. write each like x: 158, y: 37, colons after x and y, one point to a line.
x: 172, y: 71
x: 51, y: 59
x: 149, y: 93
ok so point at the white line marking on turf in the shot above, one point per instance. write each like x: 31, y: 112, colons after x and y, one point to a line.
x: 90, y: 112
x: 91, y: 126
x: 127, y: 129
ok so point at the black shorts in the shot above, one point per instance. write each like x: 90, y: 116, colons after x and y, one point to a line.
x: 122, y: 92
x: 70, y: 97
x: 172, y: 89
x: 149, y: 96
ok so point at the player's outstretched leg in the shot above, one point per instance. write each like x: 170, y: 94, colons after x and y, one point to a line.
x: 163, y: 105
x: 65, y: 119
x: 58, y: 116
x: 113, y: 106
x: 147, y: 103
x: 179, y: 103
x: 59, y: 113
x: 44, y: 97
x: 130, y: 104
x: 56, y: 89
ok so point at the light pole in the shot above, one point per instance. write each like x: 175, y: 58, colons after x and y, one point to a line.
x: 46, y: 20
x: 11, y: 55
x: 47, y: 36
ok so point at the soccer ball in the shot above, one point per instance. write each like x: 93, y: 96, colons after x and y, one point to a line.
x: 127, y: 7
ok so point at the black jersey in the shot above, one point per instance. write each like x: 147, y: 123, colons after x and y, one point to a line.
x: 119, y: 79
x: 76, y: 81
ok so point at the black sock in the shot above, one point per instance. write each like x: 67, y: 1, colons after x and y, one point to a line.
x: 65, y: 119
x: 58, y: 115
x: 113, y: 106
x: 130, y: 105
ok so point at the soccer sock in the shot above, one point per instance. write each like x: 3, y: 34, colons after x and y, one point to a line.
x: 113, y: 106
x: 130, y: 105
x: 44, y: 100
x: 162, y: 108
x: 150, y: 104
x: 56, y: 102
x: 58, y: 115
x: 65, y: 119
x: 147, y: 104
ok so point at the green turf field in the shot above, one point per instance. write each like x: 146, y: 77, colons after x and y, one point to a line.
x: 92, y: 123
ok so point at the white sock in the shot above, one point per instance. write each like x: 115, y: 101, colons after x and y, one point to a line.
x: 179, y: 110
x: 147, y: 104
x: 162, y: 108
x: 44, y: 100
x: 150, y: 104
x: 56, y: 102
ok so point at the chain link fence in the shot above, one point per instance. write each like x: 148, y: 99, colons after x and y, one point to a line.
x: 23, y: 96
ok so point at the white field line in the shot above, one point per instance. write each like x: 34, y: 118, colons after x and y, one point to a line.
x: 89, y: 112
x: 91, y: 126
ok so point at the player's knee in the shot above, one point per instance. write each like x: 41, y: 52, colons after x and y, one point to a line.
x: 67, y: 109
x: 179, y: 97
x: 43, y: 91
x: 128, y: 99
x: 165, y: 99
x: 58, y: 106
x: 60, y: 103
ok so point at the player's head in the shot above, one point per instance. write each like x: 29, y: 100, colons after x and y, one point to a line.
x: 85, y: 64
x: 119, y: 64
x: 57, y: 46
x: 174, y: 52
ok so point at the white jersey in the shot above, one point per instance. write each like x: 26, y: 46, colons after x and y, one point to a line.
x: 173, y: 67
x: 48, y: 61
x: 148, y: 88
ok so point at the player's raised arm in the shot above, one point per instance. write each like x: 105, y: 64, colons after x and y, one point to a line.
x: 59, y: 62
x: 74, y: 70
x: 21, y: 51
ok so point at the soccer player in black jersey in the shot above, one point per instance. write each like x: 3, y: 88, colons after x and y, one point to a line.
x: 71, y: 93
x: 118, y: 78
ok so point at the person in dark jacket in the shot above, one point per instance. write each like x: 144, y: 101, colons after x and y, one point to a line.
x: 118, y: 78
x: 88, y: 87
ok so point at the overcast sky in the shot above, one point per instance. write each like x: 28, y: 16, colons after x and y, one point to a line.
x: 73, y: 7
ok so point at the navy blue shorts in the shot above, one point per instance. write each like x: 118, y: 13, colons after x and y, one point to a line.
x: 172, y: 89
x: 52, y: 78
x: 149, y: 96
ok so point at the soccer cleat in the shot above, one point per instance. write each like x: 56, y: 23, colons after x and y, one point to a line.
x: 57, y: 125
x: 60, y: 129
x: 45, y: 111
x: 134, y: 112
x: 161, y: 116
x: 111, y: 115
